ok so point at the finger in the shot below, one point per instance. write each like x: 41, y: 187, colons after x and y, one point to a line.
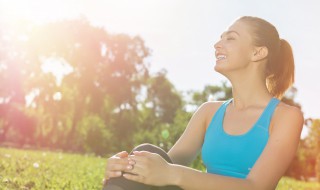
x: 141, y: 161
x: 112, y: 162
x: 142, y: 153
x: 104, y: 181
x: 137, y: 178
x: 120, y: 167
x: 112, y: 174
x: 138, y: 158
x: 117, y: 157
x: 122, y: 154
x: 129, y: 168
x: 139, y: 169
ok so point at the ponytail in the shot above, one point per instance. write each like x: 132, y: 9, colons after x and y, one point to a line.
x: 281, y: 70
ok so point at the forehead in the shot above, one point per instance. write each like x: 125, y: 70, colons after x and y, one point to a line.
x: 229, y: 32
x: 238, y: 28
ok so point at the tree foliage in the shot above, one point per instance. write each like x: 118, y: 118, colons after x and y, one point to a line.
x: 73, y: 86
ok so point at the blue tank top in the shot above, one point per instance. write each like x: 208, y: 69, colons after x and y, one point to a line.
x: 235, y: 155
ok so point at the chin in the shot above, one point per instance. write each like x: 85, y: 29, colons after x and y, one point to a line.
x: 219, y: 69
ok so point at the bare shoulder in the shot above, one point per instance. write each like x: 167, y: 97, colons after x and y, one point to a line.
x: 212, y: 104
x: 280, y: 149
x: 209, y: 108
x: 287, y: 114
x: 287, y: 111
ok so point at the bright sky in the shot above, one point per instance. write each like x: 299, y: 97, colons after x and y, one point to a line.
x: 181, y: 33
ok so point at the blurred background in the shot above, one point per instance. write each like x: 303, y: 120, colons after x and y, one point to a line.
x: 93, y: 78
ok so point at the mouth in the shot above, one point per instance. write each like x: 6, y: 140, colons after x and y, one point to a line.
x: 220, y: 57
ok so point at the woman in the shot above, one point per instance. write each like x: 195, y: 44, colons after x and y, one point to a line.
x: 246, y: 142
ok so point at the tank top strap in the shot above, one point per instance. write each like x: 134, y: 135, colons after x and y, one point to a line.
x: 217, y: 117
x: 225, y: 104
x: 219, y: 113
x: 223, y: 107
x: 266, y: 116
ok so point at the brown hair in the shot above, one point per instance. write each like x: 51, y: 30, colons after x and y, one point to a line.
x: 280, y: 65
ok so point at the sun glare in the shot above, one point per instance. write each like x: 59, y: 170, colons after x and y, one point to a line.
x: 57, y: 66
x: 33, y: 10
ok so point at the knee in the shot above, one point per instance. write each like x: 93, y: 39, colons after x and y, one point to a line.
x: 145, y: 146
x: 152, y: 148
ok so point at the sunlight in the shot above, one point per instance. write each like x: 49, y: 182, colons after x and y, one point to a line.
x: 35, y: 10
x: 57, y: 96
x: 30, y: 97
x: 57, y: 66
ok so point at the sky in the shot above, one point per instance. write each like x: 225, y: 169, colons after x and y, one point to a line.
x: 181, y: 33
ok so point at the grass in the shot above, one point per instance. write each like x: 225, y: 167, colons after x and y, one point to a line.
x: 39, y: 170
x: 291, y: 184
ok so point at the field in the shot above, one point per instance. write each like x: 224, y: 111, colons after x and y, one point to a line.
x: 39, y: 170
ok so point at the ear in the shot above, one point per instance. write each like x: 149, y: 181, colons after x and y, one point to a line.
x: 259, y: 53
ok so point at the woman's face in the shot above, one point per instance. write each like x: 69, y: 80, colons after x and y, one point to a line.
x: 235, y: 48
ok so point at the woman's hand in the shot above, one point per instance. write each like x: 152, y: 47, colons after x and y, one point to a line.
x: 116, y: 164
x: 149, y: 168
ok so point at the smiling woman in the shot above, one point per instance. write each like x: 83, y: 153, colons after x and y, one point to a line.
x: 246, y: 142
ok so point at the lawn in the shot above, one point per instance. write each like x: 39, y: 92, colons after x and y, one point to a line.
x: 39, y: 170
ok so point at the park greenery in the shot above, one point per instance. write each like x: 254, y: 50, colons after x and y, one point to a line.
x: 38, y: 170
x: 71, y: 87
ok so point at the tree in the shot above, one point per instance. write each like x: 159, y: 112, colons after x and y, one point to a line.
x: 106, y: 73
x: 164, y: 99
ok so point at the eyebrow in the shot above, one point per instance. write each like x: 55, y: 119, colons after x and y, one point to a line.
x: 228, y: 32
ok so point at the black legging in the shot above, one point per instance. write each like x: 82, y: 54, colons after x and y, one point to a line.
x: 121, y: 183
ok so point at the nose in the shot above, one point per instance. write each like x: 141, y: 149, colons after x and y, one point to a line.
x: 217, y: 45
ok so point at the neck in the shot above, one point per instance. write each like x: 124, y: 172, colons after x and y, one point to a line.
x: 249, y: 90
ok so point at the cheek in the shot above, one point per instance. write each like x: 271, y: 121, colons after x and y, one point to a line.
x: 241, y: 55
x: 236, y: 57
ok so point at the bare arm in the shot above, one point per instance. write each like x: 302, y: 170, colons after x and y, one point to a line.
x: 268, y: 169
x: 189, y: 144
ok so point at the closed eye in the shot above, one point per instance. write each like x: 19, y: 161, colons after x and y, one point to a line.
x: 228, y: 37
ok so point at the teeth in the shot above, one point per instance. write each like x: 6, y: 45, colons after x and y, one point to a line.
x: 220, y: 57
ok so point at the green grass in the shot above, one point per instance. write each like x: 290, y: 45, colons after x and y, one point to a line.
x: 291, y: 184
x: 39, y: 170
